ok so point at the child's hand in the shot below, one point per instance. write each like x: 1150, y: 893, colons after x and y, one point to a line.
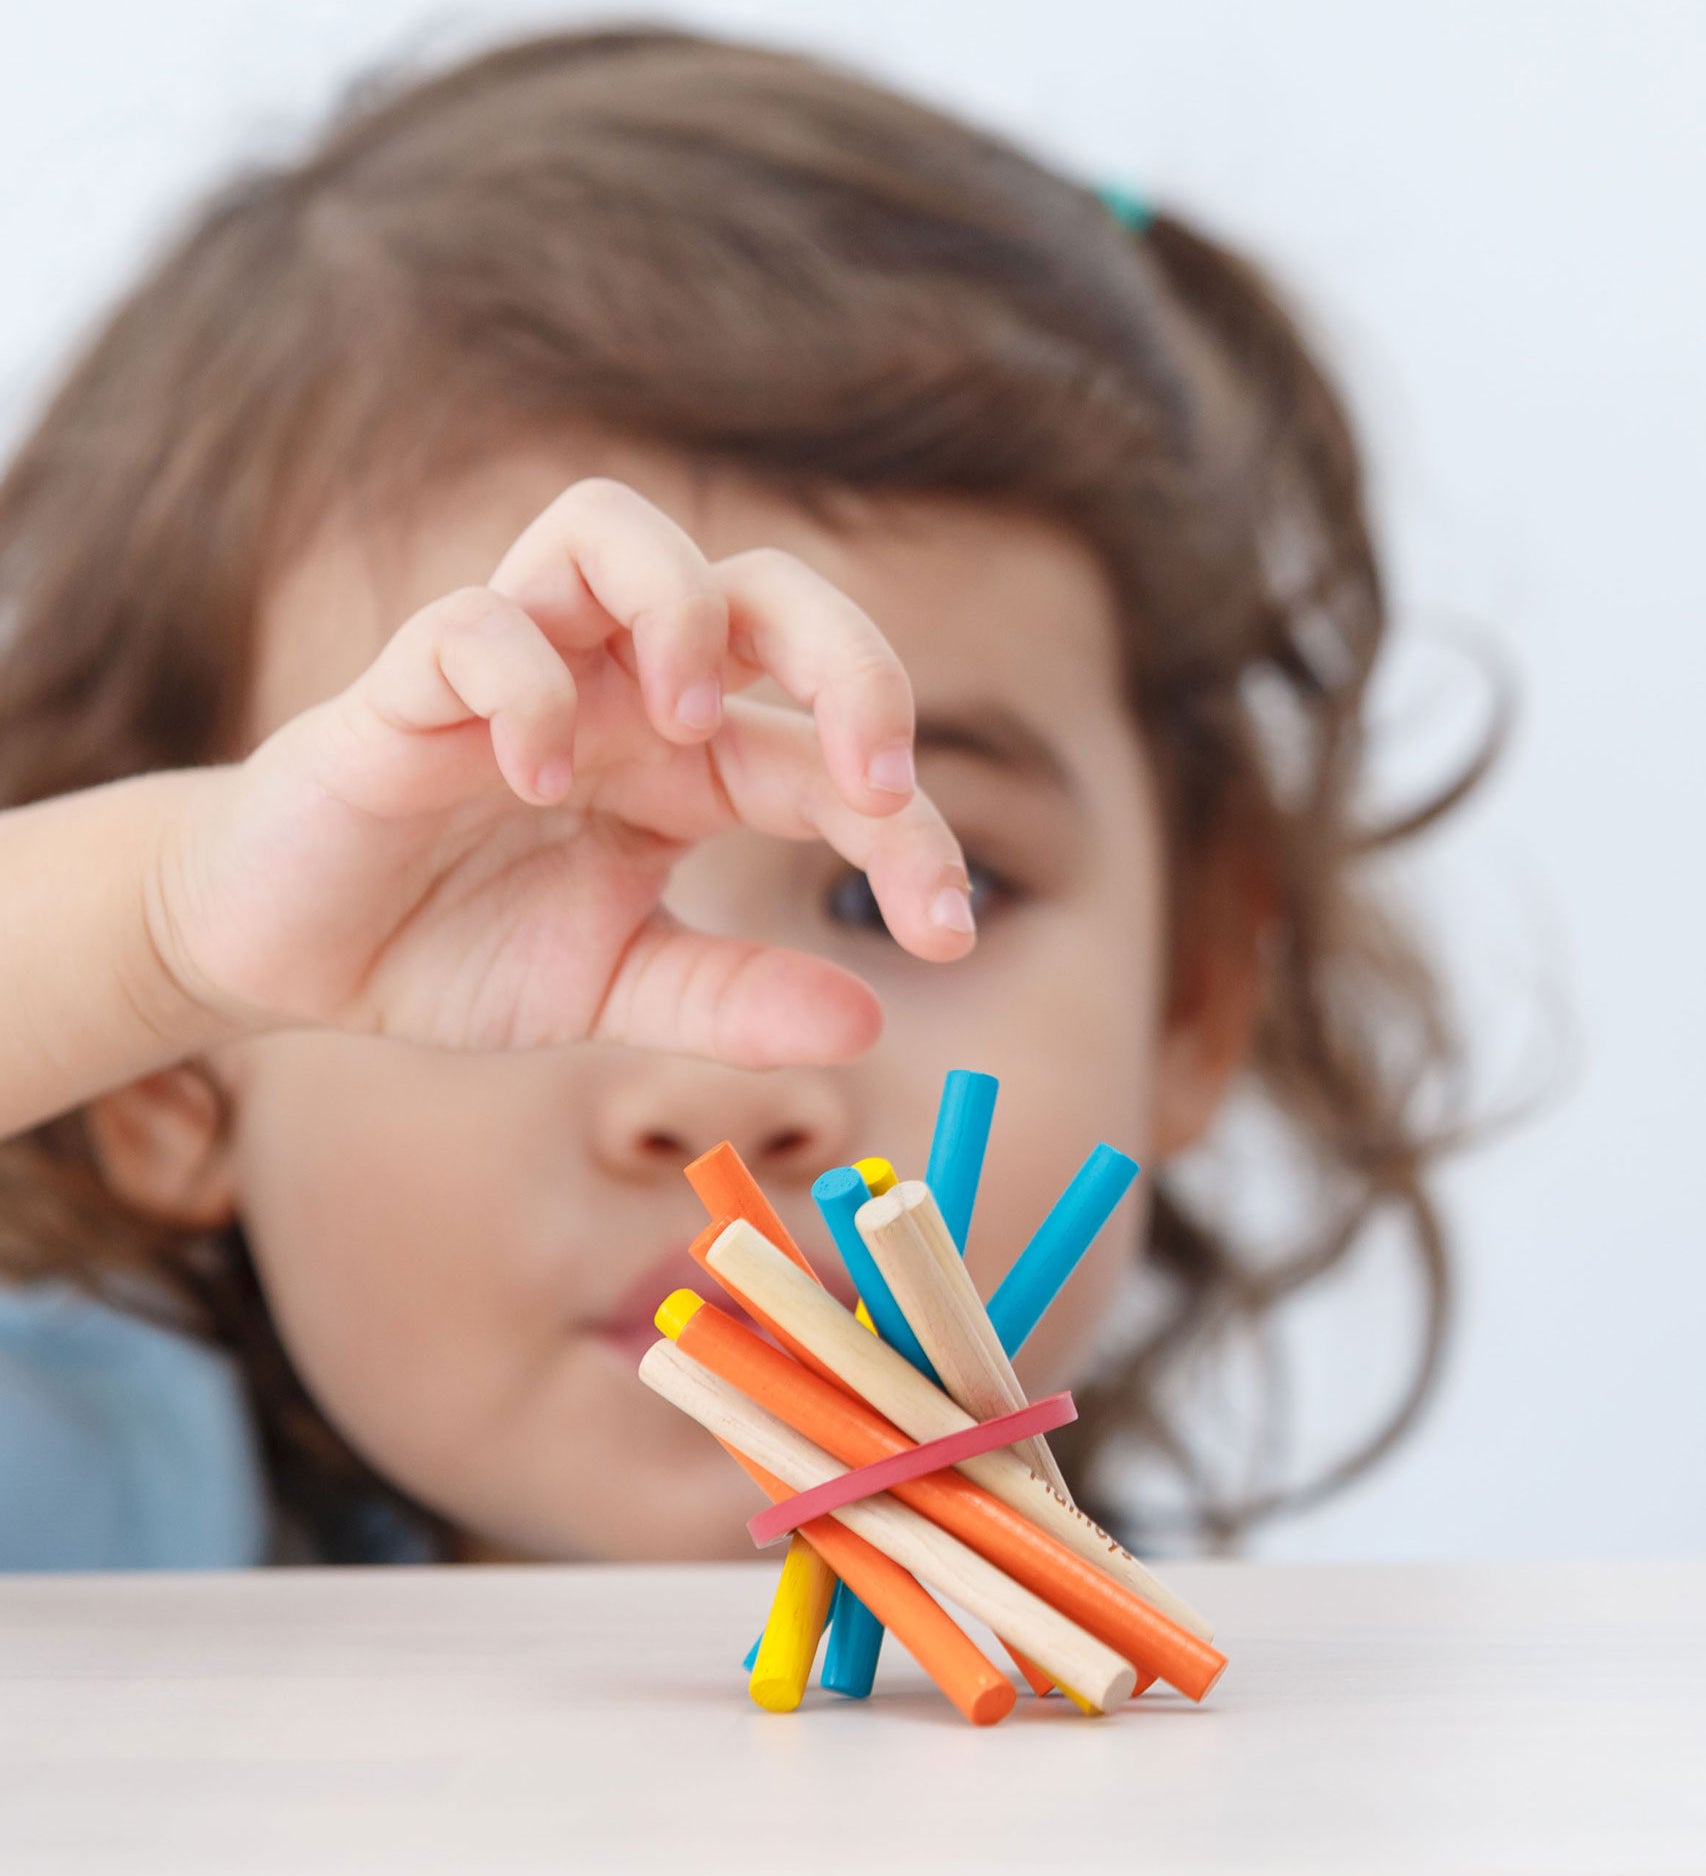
x: 468, y: 845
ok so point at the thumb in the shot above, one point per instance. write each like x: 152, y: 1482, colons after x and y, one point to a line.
x: 747, y: 1005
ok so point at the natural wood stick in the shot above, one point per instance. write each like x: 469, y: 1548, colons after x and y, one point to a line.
x: 904, y: 1231
x: 756, y: 1273
x: 952, y: 1569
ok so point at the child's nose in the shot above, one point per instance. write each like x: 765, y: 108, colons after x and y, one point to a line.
x: 787, y: 1124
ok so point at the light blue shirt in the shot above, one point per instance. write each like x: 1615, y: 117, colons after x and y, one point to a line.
x: 123, y: 1445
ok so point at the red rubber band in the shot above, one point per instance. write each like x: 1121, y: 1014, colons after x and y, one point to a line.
x: 1022, y: 1423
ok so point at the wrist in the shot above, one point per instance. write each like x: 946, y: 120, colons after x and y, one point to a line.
x: 171, y: 992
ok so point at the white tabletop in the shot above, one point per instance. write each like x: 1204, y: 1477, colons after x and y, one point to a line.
x: 495, y: 1720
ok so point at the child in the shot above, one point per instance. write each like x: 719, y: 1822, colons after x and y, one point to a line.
x: 409, y: 599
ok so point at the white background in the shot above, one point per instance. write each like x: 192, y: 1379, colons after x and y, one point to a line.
x: 1497, y: 215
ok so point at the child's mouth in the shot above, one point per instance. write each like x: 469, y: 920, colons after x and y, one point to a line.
x: 629, y: 1327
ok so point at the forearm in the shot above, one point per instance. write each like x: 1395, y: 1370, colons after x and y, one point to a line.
x: 87, y: 1001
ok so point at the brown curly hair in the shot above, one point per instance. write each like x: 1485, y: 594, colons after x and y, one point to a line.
x: 767, y: 263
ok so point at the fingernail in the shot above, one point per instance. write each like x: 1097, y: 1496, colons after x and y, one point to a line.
x: 891, y: 769
x: 700, y: 705
x: 951, y: 909
x: 556, y: 778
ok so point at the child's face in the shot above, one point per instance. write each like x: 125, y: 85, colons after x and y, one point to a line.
x: 463, y: 1253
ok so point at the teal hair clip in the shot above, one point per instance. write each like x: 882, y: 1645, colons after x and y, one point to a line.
x: 1127, y: 207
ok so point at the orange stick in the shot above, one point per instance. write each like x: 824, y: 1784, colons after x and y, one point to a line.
x: 856, y: 1434
x: 1040, y: 1684
x: 728, y: 1190
x: 896, y: 1598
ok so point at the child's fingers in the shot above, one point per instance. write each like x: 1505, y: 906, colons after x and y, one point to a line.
x: 772, y: 773
x: 602, y: 557
x: 827, y: 654
x: 749, y: 1005
x: 472, y: 656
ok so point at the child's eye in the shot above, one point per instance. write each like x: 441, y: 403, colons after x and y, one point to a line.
x: 851, y: 902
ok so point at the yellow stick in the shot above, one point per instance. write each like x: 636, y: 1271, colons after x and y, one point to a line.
x: 1059, y: 1646
x: 791, y: 1635
x: 877, y: 1174
x: 755, y: 1270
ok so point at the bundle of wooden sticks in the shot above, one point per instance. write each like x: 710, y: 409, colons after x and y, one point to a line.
x: 896, y: 1446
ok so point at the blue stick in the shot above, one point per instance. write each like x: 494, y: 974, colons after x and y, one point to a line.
x: 957, y: 1148
x: 855, y: 1640
x: 1043, y: 1266
x: 752, y: 1654
x: 839, y: 1194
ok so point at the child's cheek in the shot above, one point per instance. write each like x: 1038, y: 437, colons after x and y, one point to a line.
x: 381, y: 1253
